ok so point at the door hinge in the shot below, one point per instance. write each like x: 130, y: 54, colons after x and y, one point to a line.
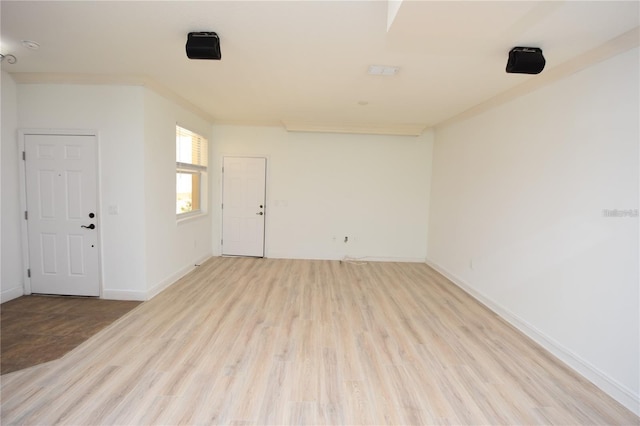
x: 24, y: 156
x: 29, y: 273
x: 221, y: 242
x: 222, y: 206
x: 222, y: 169
x: 26, y: 215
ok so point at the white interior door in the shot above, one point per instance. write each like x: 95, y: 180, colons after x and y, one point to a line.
x: 243, y: 206
x: 61, y: 187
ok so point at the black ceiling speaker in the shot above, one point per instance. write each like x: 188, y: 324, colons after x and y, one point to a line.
x: 203, y: 45
x: 525, y: 60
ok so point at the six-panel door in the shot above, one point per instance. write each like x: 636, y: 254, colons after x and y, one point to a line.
x: 61, y: 186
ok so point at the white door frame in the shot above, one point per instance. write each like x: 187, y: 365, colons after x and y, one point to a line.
x: 266, y: 195
x: 22, y: 133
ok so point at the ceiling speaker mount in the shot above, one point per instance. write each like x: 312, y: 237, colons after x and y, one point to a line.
x: 203, y: 45
x: 525, y: 60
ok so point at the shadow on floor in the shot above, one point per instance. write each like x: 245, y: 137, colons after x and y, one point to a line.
x: 38, y: 329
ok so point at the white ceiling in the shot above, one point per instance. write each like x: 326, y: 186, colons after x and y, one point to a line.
x: 306, y: 61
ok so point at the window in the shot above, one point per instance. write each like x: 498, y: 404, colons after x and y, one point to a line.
x: 191, y: 171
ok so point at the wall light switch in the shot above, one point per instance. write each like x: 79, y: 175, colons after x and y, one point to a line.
x: 114, y: 209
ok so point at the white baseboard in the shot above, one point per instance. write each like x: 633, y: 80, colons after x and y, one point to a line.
x: 342, y: 257
x: 123, y: 295
x: 610, y: 386
x: 12, y: 293
x: 171, y: 279
x: 385, y: 259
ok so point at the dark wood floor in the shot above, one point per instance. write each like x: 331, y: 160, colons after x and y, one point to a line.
x: 38, y: 329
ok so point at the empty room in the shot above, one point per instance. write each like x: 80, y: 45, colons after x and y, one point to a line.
x: 320, y: 212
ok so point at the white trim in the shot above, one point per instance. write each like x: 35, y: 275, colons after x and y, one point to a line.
x: 189, y: 216
x: 609, y: 385
x: 113, y: 294
x: 347, y: 258
x: 123, y: 295
x: 385, y: 259
x: 12, y: 293
x: 174, y: 278
x: 22, y: 167
x: 361, y: 129
x: 267, y: 171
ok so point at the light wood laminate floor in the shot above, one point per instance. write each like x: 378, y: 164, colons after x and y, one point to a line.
x: 262, y: 341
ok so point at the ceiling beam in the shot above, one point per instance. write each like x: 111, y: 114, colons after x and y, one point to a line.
x: 361, y: 129
x: 393, y: 6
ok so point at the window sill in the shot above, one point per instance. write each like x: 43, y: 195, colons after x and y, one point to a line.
x: 188, y: 217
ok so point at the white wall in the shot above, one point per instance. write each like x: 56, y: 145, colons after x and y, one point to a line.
x: 517, y: 217
x: 143, y: 248
x: 116, y: 112
x: 373, y: 189
x: 11, y: 282
x: 172, y: 249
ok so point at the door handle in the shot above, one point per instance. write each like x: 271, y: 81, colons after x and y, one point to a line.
x: 260, y: 213
x: 92, y: 226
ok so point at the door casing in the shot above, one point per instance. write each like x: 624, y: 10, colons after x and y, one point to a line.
x: 267, y: 159
x: 23, y: 197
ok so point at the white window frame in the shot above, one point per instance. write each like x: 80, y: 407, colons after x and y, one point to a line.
x: 191, y: 168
